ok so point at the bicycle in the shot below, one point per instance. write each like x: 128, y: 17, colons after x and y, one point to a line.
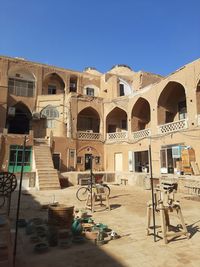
x: 83, y: 191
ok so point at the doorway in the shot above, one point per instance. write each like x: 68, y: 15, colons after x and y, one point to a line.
x: 19, y: 123
x: 88, y: 161
x: 15, y: 159
x: 56, y: 161
x: 118, y: 162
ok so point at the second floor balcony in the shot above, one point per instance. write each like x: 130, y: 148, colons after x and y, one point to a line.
x: 117, y: 136
x: 173, y: 126
x: 140, y: 134
x: 89, y: 135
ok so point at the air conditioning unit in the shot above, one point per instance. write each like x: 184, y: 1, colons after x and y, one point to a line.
x: 43, y: 116
x: 36, y: 116
x: 11, y: 111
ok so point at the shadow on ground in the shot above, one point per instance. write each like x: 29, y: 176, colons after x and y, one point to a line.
x: 81, y: 254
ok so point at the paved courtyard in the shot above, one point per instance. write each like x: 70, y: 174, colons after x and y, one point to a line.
x: 128, y: 218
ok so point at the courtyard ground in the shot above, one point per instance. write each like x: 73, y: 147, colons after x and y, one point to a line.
x: 127, y: 218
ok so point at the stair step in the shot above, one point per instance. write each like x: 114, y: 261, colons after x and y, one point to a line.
x: 48, y: 179
x: 47, y: 176
x: 44, y: 171
x: 43, y: 166
x: 49, y: 185
x: 49, y: 188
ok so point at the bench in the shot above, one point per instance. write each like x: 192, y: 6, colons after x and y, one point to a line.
x: 124, y: 181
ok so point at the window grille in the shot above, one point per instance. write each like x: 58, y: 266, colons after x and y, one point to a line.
x: 51, y: 113
x: 21, y: 87
x: 90, y: 91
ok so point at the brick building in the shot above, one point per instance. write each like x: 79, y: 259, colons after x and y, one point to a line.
x: 114, y: 116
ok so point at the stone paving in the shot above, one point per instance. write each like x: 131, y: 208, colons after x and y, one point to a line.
x: 128, y: 218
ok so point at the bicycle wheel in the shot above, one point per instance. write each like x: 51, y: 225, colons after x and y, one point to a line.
x: 82, y: 193
x: 107, y: 189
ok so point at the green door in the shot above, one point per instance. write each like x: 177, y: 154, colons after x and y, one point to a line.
x: 15, y: 160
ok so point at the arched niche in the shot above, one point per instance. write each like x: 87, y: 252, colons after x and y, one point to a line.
x: 19, y: 121
x: 88, y: 120
x: 172, y: 103
x: 21, y: 82
x: 116, y: 121
x: 140, y: 116
x: 53, y: 84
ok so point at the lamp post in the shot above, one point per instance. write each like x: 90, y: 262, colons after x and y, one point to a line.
x: 19, y: 198
x: 91, y: 158
x: 152, y: 194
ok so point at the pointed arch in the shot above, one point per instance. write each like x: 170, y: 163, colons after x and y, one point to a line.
x: 53, y: 84
x: 88, y: 119
x: 172, y: 103
x: 116, y: 120
x: 21, y: 82
x: 141, y: 115
x: 19, y: 122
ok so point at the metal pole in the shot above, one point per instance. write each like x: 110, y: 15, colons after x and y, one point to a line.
x: 152, y: 194
x: 91, y: 179
x: 18, y: 203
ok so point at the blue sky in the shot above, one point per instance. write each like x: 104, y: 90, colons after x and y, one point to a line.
x: 158, y: 36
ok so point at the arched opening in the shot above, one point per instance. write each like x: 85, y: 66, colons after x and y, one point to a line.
x: 140, y: 116
x: 53, y: 85
x: 19, y: 121
x: 172, y: 103
x: 124, y: 88
x: 51, y: 114
x: 88, y: 120
x: 116, y: 121
x: 21, y: 83
x: 198, y: 98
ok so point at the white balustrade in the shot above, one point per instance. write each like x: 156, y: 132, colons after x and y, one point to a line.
x: 141, y: 134
x: 88, y: 136
x: 173, y: 126
x: 117, y: 136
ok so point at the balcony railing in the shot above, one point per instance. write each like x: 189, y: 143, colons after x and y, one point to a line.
x: 140, y: 134
x: 88, y: 136
x: 198, y: 119
x: 117, y: 136
x: 173, y: 127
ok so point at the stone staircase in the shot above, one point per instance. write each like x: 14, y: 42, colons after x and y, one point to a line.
x: 47, y: 176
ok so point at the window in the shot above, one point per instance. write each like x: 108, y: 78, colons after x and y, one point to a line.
x: 97, y: 160
x: 79, y: 160
x: 121, y: 89
x: 21, y: 87
x: 182, y: 110
x: 51, y: 89
x: 73, y: 84
x: 163, y: 160
x: 51, y: 113
x: 72, y: 153
x: 90, y: 91
x: 141, y: 161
